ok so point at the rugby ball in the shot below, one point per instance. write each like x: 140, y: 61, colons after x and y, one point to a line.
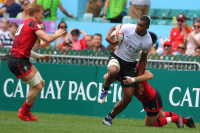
x: 118, y: 35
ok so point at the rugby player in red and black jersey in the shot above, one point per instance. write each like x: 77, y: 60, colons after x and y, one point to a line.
x: 19, y: 63
x: 152, y: 103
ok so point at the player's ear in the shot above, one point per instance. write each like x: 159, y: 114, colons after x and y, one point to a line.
x: 35, y: 15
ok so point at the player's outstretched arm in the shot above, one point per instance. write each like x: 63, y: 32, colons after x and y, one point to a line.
x: 47, y: 37
x: 144, y: 77
x: 142, y: 63
x: 39, y: 56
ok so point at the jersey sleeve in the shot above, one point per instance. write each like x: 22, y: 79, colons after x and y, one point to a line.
x: 34, y: 26
x: 147, y: 48
x: 125, y: 27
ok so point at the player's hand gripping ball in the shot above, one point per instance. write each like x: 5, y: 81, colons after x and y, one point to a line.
x: 117, y: 36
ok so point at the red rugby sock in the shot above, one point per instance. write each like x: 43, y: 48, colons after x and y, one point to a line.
x: 185, y: 121
x: 169, y: 114
x: 26, y: 108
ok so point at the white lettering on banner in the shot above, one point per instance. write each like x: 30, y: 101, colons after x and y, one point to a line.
x: 120, y: 93
x: 187, y: 98
x: 42, y: 93
x: 50, y: 90
x: 59, y: 88
x: 88, y: 91
x: 81, y: 92
x: 170, y: 96
x: 115, y: 93
x: 5, y: 87
x: 78, y: 90
x: 197, y: 96
x: 70, y: 89
x: 19, y: 89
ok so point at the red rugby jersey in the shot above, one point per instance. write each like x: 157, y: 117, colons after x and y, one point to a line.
x: 145, y: 95
x: 25, y: 38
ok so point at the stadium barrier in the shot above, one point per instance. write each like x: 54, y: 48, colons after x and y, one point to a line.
x: 84, y: 57
x: 73, y: 89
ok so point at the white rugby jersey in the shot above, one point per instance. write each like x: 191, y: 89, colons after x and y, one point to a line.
x: 132, y: 43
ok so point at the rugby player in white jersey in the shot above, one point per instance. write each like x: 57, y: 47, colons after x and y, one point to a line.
x: 123, y: 61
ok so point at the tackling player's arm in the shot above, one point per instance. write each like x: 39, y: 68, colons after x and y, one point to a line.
x: 39, y: 56
x: 109, y: 38
x: 47, y: 37
x: 142, y: 63
x: 144, y: 77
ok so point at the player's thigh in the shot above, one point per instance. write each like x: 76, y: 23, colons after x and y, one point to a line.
x: 150, y: 120
x: 34, y: 69
x: 37, y: 74
x: 128, y: 92
x: 161, y: 114
x: 28, y: 77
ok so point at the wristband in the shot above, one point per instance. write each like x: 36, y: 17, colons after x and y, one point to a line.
x: 133, y: 80
x: 35, y: 55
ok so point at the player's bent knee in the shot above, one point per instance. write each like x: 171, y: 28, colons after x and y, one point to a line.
x: 38, y: 86
x: 115, y: 63
x: 128, y: 99
x: 34, y: 81
x: 42, y: 82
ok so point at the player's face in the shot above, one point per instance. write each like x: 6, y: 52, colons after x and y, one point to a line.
x: 40, y: 16
x: 141, y: 26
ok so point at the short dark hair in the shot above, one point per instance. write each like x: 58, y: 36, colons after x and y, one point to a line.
x: 61, y: 23
x: 75, y: 31
x: 146, y: 19
x: 97, y: 34
x: 198, y: 47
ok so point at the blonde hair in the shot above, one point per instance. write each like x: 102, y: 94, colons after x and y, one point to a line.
x: 34, y: 8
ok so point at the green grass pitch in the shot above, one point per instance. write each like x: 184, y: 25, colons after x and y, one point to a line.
x: 62, y: 123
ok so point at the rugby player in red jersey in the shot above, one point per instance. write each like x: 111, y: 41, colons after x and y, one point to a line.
x: 152, y: 103
x: 19, y: 63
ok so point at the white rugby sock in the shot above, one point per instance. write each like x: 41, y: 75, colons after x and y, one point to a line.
x: 169, y: 119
